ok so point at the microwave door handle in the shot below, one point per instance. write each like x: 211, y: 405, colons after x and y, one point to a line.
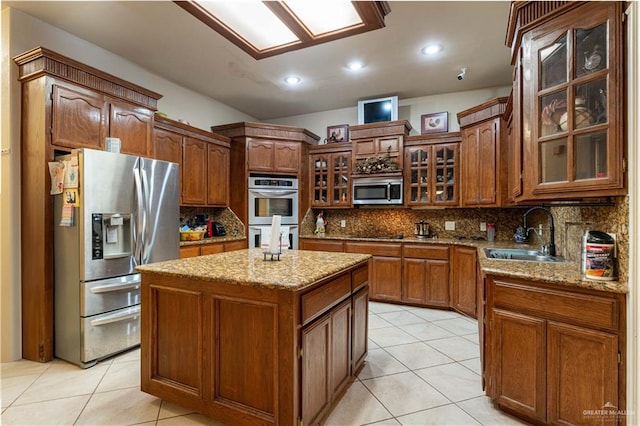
x: 388, y: 191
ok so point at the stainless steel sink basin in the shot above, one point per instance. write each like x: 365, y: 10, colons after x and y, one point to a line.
x: 520, y: 254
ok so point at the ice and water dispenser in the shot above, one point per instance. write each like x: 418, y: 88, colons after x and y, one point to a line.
x: 111, y: 235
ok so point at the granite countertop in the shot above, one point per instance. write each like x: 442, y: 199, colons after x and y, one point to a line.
x: 562, y: 273
x: 294, y: 271
x: 212, y: 240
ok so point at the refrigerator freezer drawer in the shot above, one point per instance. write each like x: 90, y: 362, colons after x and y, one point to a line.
x: 110, y: 333
x: 110, y: 294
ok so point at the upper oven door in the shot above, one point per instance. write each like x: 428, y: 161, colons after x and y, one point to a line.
x: 264, y: 203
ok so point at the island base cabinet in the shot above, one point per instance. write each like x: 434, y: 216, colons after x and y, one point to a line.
x: 326, y: 361
x: 253, y: 355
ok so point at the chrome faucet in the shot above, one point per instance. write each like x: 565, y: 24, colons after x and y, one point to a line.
x: 549, y: 249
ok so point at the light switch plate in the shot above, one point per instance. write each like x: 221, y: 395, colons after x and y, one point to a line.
x: 449, y: 226
x: 343, y: 223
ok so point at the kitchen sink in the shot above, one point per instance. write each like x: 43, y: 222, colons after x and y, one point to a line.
x: 520, y: 254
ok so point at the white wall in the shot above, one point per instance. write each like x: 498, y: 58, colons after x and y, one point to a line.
x: 22, y: 32
x: 409, y: 109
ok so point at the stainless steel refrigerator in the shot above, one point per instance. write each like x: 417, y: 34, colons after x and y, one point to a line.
x: 128, y: 215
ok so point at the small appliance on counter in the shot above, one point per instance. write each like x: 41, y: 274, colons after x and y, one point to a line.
x: 218, y: 229
x: 422, y: 229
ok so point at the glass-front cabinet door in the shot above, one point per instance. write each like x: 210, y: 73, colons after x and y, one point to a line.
x: 331, y: 179
x: 320, y: 180
x: 573, y: 106
x: 432, y: 172
x: 341, y: 179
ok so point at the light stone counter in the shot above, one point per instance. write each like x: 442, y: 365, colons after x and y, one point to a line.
x: 561, y: 273
x: 295, y: 270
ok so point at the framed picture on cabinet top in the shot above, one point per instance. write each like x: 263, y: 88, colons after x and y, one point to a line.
x: 337, y: 133
x: 434, y: 123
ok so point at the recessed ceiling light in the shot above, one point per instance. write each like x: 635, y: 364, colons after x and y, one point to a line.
x: 292, y: 80
x: 355, y: 65
x: 431, y: 49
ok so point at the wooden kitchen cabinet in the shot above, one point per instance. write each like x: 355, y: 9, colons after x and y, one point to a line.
x: 194, y: 171
x: 217, y: 175
x: 425, y: 275
x: 554, y: 352
x: 379, y: 140
x: 464, y: 280
x: 330, y: 177
x: 483, y: 153
x: 211, y: 248
x: 432, y: 170
x: 273, y: 156
x: 570, y: 71
x: 321, y: 245
x: 82, y: 118
x: 262, y: 148
x: 65, y: 105
x: 360, y: 309
x: 203, y: 158
x: 385, y: 279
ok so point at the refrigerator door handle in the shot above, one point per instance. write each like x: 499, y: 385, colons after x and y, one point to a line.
x: 137, y: 233
x: 131, y: 313
x: 146, y: 193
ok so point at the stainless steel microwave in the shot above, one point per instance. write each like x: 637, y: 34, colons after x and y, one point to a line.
x: 377, y: 190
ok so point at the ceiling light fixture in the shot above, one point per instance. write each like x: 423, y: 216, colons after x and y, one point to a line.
x: 355, y: 65
x: 292, y: 80
x: 431, y: 49
x: 269, y: 28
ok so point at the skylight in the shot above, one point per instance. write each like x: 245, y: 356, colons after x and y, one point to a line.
x: 268, y: 28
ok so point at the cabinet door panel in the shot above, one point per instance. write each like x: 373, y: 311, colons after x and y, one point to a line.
x: 486, y: 165
x: 211, y: 249
x: 134, y: 127
x: 260, y: 156
x: 520, y: 350
x: 194, y: 172
x: 470, y: 178
x: 340, y: 347
x: 167, y: 146
x: 78, y: 118
x: 438, y: 282
x: 583, y: 366
x: 316, y: 341
x: 464, y: 285
x: 286, y: 157
x: 218, y: 175
x: 414, y: 278
x: 360, y: 324
x: 386, y: 278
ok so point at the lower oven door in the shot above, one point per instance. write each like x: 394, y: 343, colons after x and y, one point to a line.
x: 255, y: 236
x: 109, y: 333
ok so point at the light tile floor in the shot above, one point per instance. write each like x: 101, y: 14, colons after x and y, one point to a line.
x: 422, y: 369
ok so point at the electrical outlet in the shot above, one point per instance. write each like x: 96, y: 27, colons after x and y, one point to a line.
x: 343, y: 223
x: 483, y: 226
x: 449, y: 226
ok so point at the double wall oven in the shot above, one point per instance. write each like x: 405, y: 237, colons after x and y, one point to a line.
x: 270, y: 196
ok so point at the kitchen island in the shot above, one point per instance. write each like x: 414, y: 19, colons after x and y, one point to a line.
x: 250, y: 341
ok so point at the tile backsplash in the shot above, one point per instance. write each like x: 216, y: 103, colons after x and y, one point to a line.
x: 570, y: 223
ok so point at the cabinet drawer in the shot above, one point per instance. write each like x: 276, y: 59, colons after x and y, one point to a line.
x: 426, y: 252
x: 360, y: 277
x: 376, y: 249
x: 189, y: 251
x: 211, y: 249
x: 572, y: 308
x: 322, y: 298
